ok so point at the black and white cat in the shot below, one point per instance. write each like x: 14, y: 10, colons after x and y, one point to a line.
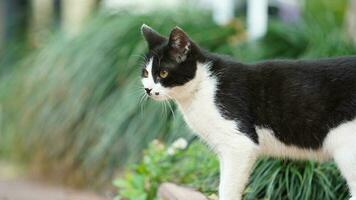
x: 295, y: 109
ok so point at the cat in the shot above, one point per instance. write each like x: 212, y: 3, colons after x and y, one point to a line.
x: 299, y: 109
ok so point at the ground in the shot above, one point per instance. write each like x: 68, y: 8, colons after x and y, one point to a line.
x: 15, y: 186
x: 31, y: 190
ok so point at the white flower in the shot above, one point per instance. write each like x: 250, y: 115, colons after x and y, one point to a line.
x: 180, y: 144
x: 171, y: 151
x: 157, y: 144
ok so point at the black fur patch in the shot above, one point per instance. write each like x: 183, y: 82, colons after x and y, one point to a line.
x: 173, y: 54
x: 299, y: 100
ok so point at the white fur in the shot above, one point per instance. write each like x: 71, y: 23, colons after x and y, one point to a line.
x: 201, y: 113
x: 156, y: 87
x: 341, y: 144
x: 148, y: 82
x: 269, y: 145
x: 236, y: 152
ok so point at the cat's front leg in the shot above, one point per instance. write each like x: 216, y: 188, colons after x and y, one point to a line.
x: 235, y: 166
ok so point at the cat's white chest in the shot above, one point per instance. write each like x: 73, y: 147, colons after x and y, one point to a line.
x: 206, y: 121
x: 203, y: 116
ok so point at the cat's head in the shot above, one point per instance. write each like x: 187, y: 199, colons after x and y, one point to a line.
x: 170, y: 64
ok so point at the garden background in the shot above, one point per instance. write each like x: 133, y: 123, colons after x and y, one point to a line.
x: 71, y: 106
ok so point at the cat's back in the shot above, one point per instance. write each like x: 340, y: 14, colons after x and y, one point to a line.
x: 300, y: 100
x: 332, y: 67
x: 330, y: 80
x: 283, y: 72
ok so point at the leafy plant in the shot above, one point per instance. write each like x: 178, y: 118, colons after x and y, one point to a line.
x: 161, y: 164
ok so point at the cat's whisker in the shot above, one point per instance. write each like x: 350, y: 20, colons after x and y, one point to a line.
x: 162, y: 107
x: 170, y: 106
x: 141, y: 98
x: 171, y: 109
x: 141, y: 103
x: 165, y: 109
x: 140, y: 56
x: 135, y: 92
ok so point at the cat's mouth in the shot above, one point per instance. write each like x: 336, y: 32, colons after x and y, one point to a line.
x: 158, y: 97
x: 156, y: 94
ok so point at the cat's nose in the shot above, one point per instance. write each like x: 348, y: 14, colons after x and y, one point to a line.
x: 148, y: 91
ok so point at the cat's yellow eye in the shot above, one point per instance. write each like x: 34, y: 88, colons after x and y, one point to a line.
x: 145, y: 73
x: 163, y: 73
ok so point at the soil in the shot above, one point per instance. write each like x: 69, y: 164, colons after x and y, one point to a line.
x: 18, y: 189
x: 16, y: 185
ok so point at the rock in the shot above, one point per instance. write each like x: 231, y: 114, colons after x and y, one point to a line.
x: 170, y: 191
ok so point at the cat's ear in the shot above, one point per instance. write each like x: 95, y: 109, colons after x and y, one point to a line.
x: 179, y: 44
x: 152, y: 38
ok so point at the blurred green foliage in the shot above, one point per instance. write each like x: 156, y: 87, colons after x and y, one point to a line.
x: 326, y: 11
x: 74, y: 109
